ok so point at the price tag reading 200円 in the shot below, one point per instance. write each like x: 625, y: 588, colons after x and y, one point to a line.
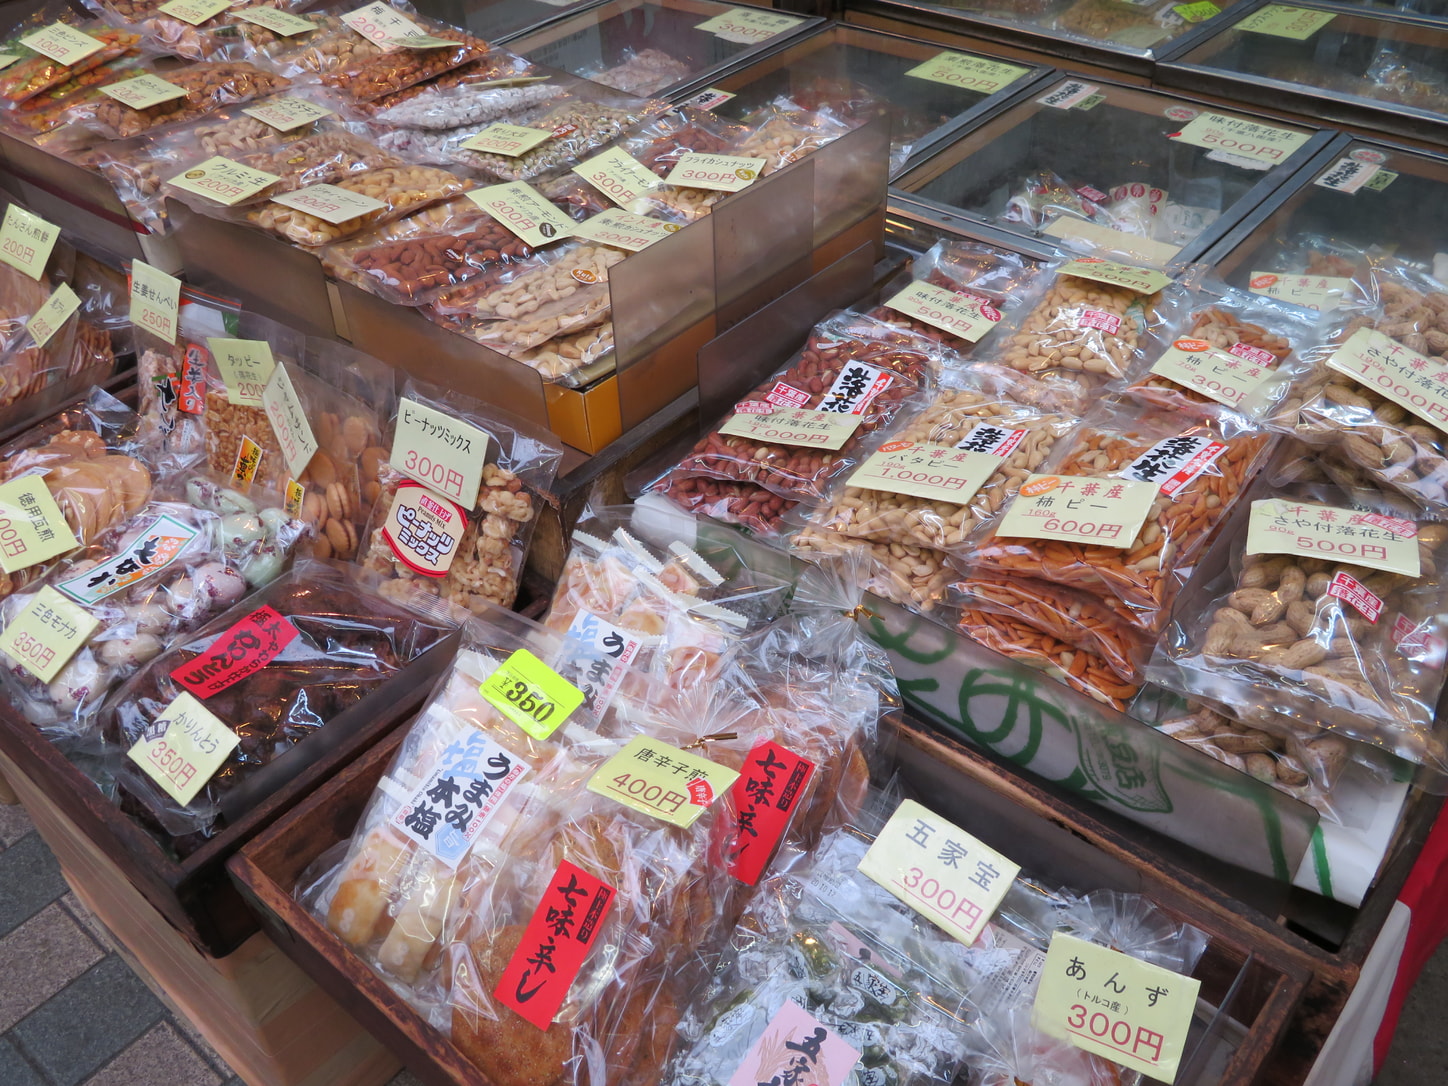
x: 531, y: 694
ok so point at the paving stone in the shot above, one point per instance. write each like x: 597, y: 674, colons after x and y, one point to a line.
x: 201, y: 1044
x: 90, y: 1022
x: 14, y: 1070
x: 405, y: 1078
x: 161, y: 1057
x: 39, y: 958
x: 87, y: 919
x: 29, y: 881
x: 14, y: 824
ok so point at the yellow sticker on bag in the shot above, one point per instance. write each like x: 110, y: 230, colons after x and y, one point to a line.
x: 1240, y: 137
x: 531, y: 694
x: 802, y: 427
x: 32, y: 527
x: 1324, y: 293
x: 285, y: 112
x: 330, y: 203
x: 26, y: 241
x: 1070, y: 228
x: 623, y: 229
x: 1079, y: 509
x: 618, y: 175
x: 719, y: 173
x: 939, y: 870
x: 525, y: 211
x: 223, y: 181
x: 44, y: 636
x: 1140, y: 280
x: 277, y: 21
x: 51, y: 317
x: 246, y: 366
x: 509, y: 140
x: 184, y: 748
x: 656, y: 779
x: 1335, y: 534
x: 1231, y: 379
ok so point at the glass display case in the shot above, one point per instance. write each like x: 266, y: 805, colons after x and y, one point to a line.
x: 1387, y: 73
x: 1310, y: 243
x: 1154, y: 177
x: 1422, y: 9
x: 648, y: 47
x: 1126, y: 35
x: 500, y: 20
x: 927, y: 92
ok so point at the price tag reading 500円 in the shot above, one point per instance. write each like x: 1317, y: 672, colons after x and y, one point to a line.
x: 531, y: 694
x: 1308, y: 530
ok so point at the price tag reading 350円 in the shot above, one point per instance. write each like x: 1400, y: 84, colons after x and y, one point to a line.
x: 1308, y: 530
x: 659, y: 780
x: 1079, y: 509
x: 939, y: 870
x: 44, y: 636
x: 1115, y: 1006
x: 531, y: 694
x: 184, y: 748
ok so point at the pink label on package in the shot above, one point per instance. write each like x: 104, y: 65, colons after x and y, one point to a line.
x: 753, y: 407
x: 1405, y: 529
x: 787, y: 395
x: 1350, y: 590
x: 796, y: 1047
x: 1252, y: 354
x: 1093, y: 194
x: 1109, y: 323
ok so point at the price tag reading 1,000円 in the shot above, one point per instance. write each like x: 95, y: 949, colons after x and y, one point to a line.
x: 184, y: 748
x: 531, y: 694
x: 939, y: 870
x: 1115, y: 1006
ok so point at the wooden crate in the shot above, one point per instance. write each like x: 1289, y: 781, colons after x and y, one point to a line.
x: 270, y: 1023
x: 194, y: 894
x: 1263, y: 991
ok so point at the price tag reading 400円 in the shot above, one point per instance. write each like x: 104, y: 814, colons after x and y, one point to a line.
x: 531, y: 694
x: 1115, y: 1006
x: 1079, y: 509
x: 939, y: 870
x: 663, y: 781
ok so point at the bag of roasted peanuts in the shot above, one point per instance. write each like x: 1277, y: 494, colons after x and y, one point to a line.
x: 1379, y: 400
x: 396, y: 67
x: 781, y: 134
x: 215, y: 37
x: 1125, y: 507
x: 459, y: 496
x: 752, y: 507
x: 1332, y: 614
x: 808, y: 425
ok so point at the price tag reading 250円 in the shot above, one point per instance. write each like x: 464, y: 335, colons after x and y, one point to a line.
x: 531, y: 694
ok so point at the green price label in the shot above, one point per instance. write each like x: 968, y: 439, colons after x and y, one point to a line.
x: 531, y: 694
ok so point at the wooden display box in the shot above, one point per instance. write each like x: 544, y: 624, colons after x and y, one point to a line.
x: 1238, y: 975
x: 194, y: 894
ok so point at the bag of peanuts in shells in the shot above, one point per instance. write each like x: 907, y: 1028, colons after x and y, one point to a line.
x: 312, y: 644
x: 396, y: 68
x: 1379, y: 400
x: 1227, y: 351
x: 809, y: 424
x: 1332, y: 614
x: 155, y: 573
x: 1152, y: 486
x: 460, y: 490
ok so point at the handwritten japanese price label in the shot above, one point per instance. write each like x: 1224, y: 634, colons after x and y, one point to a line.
x: 26, y: 241
x: 32, y: 527
x: 796, y: 1047
x: 1381, y: 180
x: 1070, y: 228
x: 923, y: 470
x: 155, y: 301
x: 608, y: 650
x: 285, y: 112
x: 524, y: 211
x: 531, y: 694
x: 968, y: 72
x: 939, y: 870
x: 748, y: 26
x: 424, y: 529
x: 243, y: 650
x: 624, y: 230
x: 1282, y: 21
x: 721, y: 173
x: 1228, y: 378
x: 659, y: 780
x: 618, y: 175
x: 1406, y: 377
x: 1238, y: 136
x: 246, y: 366
x: 1068, y: 94
x: 1320, y: 292
x: 812, y: 429
x: 44, y: 636
x: 277, y: 21
x: 184, y: 748
x: 51, y: 317
x: 1115, y: 1006
x: 1172, y: 464
x: 149, y: 553
x: 1198, y: 12
x: 510, y: 140
x: 465, y: 791
x: 195, y: 12
x: 1308, y: 530
x: 439, y: 451
x: 563, y: 929
x: 143, y: 91
x: 382, y: 24
x: 959, y: 314
x: 769, y: 790
x: 1140, y: 280
x: 222, y: 180
x: 1079, y: 509
x: 329, y: 202
x: 247, y: 463
x: 63, y: 44
x: 288, y: 418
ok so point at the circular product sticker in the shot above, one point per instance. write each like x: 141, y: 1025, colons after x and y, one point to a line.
x: 583, y: 275
x: 1192, y: 345
x: 1367, y: 154
x: 1181, y: 113
x: 424, y: 529
x: 990, y: 312
x: 1262, y: 282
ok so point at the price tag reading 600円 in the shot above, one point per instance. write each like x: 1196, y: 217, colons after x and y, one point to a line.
x: 531, y: 694
x: 1079, y: 509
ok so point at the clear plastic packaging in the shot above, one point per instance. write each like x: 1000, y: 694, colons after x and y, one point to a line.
x: 34, y: 74
x: 368, y: 78
x: 643, y: 72
x: 744, y: 504
x: 209, y: 85
x: 500, y: 86
x: 400, y: 190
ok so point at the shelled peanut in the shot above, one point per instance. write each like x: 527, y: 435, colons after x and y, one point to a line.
x: 399, y: 188
x: 1079, y: 327
x: 904, y: 573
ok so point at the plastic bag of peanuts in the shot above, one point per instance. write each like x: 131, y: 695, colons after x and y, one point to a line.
x: 1199, y: 470
x: 497, y: 87
x: 214, y: 38
x: 208, y: 86
x: 397, y: 189
x: 1380, y: 398
x: 331, y: 45
x: 456, y: 524
x: 368, y: 78
x: 751, y: 507
x: 1331, y: 614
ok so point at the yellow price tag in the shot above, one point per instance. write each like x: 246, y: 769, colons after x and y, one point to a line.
x: 51, y: 317
x: 32, y: 527
x: 44, y: 636
x: 62, y: 44
x: 277, y: 21
x: 663, y: 781
x: 143, y: 91
x: 155, y: 301
x: 531, y: 694
x: 184, y: 748
x: 195, y: 12
x: 246, y: 366
x: 1140, y: 280
x: 26, y: 241
x: 1079, y: 509
x: 439, y: 451
x: 1283, y: 21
